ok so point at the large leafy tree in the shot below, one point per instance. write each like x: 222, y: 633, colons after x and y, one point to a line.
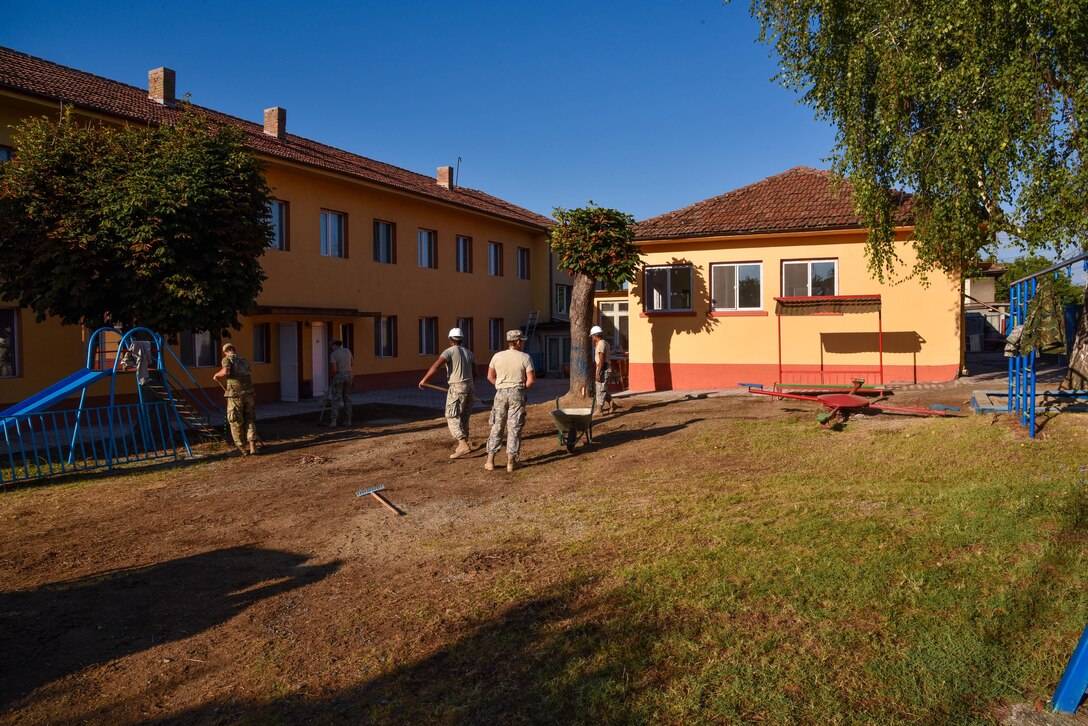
x: 979, y: 108
x: 593, y: 244
x: 162, y: 226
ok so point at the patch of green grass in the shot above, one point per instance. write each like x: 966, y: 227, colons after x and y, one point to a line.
x: 926, y: 574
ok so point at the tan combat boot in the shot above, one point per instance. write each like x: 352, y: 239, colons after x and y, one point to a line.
x: 490, y: 463
x: 253, y: 447
x: 462, y: 449
x: 511, y: 463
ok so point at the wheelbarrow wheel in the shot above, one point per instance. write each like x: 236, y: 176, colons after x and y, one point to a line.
x: 570, y: 440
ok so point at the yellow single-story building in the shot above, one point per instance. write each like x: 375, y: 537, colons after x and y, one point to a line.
x: 769, y: 283
x: 384, y: 258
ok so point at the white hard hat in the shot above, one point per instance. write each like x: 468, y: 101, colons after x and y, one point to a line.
x: 596, y: 330
x: 455, y: 333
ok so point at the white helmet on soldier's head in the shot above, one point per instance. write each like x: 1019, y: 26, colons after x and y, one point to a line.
x: 456, y: 334
x: 595, y: 330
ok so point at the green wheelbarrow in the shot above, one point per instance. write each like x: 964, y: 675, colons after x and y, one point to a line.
x: 572, y: 423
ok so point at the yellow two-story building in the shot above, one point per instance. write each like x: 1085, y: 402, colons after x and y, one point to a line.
x: 385, y: 259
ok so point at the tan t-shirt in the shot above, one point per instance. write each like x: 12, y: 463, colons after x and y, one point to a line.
x: 603, y: 347
x: 510, y: 368
x: 459, y: 364
x: 342, y: 358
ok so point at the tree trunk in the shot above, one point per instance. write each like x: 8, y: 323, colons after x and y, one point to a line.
x: 581, y: 347
x: 1076, y: 378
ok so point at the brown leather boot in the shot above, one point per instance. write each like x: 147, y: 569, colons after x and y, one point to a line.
x: 490, y: 463
x: 462, y: 449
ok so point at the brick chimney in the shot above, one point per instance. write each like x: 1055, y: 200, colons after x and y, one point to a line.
x: 275, y: 122
x: 445, y: 177
x: 160, y: 86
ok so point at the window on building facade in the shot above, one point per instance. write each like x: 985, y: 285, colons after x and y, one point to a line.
x: 277, y: 217
x: 428, y: 248
x: 613, y: 321
x: 668, y: 288
x: 428, y: 336
x: 6, y: 153
x: 262, y: 343
x: 494, y: 259
x: 347, y: 336
x: 464, y: 254
x: 736, y: 286
x: 9, y: 342
x: 385, y: 337
x: 810, y: 278
x: 198, y: 350
x: 465, y: 324
x: 602, y: 286
x: 562, y: 300
x: 496, y: 335
x: 523, y: 263
x: 333, y: 240
x: 385, y: 242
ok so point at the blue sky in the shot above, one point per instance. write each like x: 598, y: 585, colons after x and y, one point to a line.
x: 643, y: 105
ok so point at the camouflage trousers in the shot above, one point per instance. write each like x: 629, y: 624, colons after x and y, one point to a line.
x: 458, y: 408
x: 242, y: 417
x: 340, y: 397
x: 508, y: 410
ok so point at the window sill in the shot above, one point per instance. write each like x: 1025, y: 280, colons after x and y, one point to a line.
x: 668, y: 314
x: 738, y: 314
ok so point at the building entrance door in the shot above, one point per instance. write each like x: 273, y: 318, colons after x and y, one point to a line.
x: 321, y: 359
x: 288, y: 362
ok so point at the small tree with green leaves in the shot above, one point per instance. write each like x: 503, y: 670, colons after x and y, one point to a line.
x: 162, y: 227
x: 593, y: 244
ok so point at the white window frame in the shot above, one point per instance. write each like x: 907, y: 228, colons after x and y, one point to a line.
x: 13, y: 344
x: 496, y: 336
x: 733, y: 303
x: 428, y: 336
x: 333, y: 234
x: 614, y: 320
x: 427, y: 248
x: 809, y: 264
x: 463, y: 253
x: 385, y: 242
x: 494, y: 259
x: 659, y: 302
x: 563, y: 296
x: 277, y: 217
x: 385, y: 337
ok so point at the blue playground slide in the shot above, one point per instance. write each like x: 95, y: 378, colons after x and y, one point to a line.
x: 57, y: 392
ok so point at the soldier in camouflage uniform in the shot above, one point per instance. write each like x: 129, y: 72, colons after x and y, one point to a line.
x: 241, y: 404
x: 340, y: 361
x: 512, y: 372
x: 460, y: 367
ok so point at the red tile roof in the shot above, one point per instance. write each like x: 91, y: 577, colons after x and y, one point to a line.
x: 36, y: 77
x: 797, y: 200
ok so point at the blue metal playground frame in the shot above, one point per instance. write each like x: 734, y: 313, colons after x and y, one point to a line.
x: 1022, y: 380
x: 40, y: 440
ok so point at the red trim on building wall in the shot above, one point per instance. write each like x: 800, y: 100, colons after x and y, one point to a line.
x: 701, y: 376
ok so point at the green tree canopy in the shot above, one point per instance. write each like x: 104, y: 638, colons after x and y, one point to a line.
x: 1065, y: 292
x: 162, y: 227
x: 977, y: 108
x: 591, y: 243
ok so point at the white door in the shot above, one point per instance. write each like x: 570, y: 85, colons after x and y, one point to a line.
x: 288, y: 362
x: 321, y: 360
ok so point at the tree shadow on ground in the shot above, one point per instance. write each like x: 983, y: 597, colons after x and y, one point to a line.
x: 545, y: 660
x: 608, y: 439
x: 60, y: 628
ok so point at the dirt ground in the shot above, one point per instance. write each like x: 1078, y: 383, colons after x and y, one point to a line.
x: 261, y: 589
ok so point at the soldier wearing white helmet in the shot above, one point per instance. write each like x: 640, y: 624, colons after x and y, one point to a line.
x: 460, y: 375
x: 602, y: 360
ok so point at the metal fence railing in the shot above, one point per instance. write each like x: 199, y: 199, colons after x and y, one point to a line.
x: 42, y: 444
